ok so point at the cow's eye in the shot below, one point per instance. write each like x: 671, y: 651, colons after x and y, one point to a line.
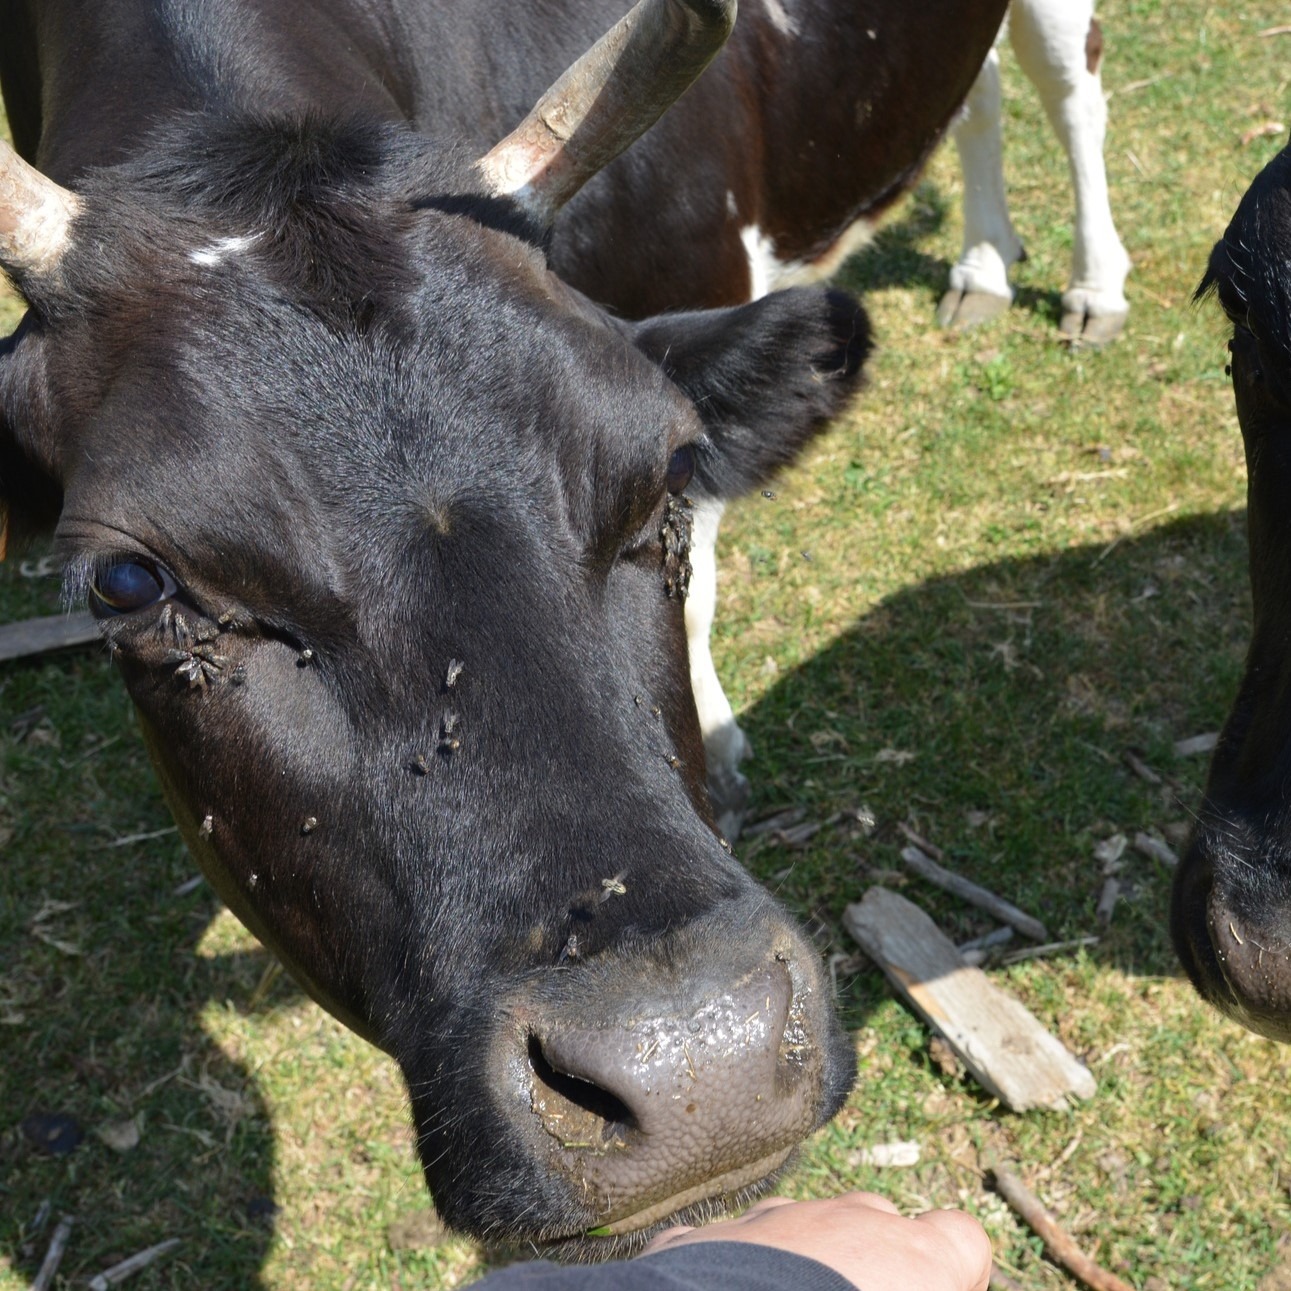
x: 129, y: 585
x: 681, y: 468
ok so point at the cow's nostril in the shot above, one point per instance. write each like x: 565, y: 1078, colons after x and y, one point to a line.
x: 576, y: 1111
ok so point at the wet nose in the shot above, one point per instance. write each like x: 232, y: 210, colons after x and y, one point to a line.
x: 684, y: 1097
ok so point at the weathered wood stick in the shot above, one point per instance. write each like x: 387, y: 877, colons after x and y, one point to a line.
x: 1059, y: 1245
x: 119, y: 1272
x: 927, y: 848
x: 926, y: 868
x: 54, y: 1256
x: 1141, y: 768
x: 1050, y: 948
x: 1155, y: 849
x: 1107, y: 900
x: 36, y: 636
x: 1195, y: 744
x: 1001, y: 1042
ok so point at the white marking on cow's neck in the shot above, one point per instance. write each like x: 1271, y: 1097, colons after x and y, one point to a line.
x: 767, y: 272
x: 732, y: 207
x: 220, y: 250
x: 780, y: 19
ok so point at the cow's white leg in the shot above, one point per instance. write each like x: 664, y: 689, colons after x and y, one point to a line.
x: 979, y: 282
x: 1060, y: 49
x: 725, y: 745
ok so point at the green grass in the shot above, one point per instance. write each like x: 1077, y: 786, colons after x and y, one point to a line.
x: 1012, y: 563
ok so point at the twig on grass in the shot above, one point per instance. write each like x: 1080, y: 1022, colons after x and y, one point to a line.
x: 1049, y: 948
x: 927, y: 848
x: 119, y: 1272
x: 1141, y: 768
x: 1056, y: 1242
x: 1155, y: 849
x: 129, y: 840
x: 1134, y: 86
x: 1275, y: 31
x: 924, y: 866
x: 54, y: 1256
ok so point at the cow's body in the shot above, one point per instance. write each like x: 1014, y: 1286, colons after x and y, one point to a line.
x: 384, y: 522
x: 1231, y: 909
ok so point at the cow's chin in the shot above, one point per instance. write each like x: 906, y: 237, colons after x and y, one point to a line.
x: 726, y: 1197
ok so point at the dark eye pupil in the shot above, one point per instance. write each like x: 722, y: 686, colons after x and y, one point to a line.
x: 681, y: 468
x: 129, y: 585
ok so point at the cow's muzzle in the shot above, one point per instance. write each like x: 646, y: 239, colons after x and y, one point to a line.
x: 1234, y: 946
x: 673, y: 1080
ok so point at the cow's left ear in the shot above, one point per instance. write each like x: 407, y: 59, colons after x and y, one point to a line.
x: 764, y: 377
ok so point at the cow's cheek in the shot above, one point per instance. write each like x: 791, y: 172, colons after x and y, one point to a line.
x: 248, y: 769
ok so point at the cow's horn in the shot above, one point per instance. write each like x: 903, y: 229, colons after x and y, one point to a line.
x: 608, y: 98
x: 35, y: 216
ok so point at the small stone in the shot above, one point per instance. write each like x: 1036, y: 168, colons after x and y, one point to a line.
x: 120, y: 1136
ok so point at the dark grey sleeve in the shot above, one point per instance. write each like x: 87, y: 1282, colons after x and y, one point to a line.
x: 699, y: 1266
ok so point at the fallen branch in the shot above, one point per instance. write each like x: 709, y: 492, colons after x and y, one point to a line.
x: 1141, y: 768
x: 1056, y: 1242
x: 926, y: 868
x: 1274, y: 31
x: 927, y: 848
x: 53, y: 1256
x: 1155, y: 849
x: 119, y: 1272
x: 1049, y: 948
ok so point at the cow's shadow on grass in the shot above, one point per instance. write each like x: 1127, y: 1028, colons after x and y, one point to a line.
x: 991, y: 708
x: 118, y: 1109
x: 994, y: 711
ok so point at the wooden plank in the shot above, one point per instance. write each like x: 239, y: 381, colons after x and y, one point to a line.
x: 37, y: 636
x: 994, y: 1035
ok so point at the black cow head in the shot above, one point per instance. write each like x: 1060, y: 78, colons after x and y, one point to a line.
x: 386, y: 528
x: 1231, y: 915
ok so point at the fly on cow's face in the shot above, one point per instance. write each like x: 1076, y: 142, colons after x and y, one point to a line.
x: 199, y: 665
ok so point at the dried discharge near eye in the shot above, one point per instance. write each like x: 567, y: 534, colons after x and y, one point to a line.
x: 675, y: 535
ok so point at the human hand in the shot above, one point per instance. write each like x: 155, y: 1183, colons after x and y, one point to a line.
x: 863, y: 1237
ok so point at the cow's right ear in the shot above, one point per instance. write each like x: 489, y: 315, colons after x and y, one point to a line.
x: 765, y: 377
x: 30, y: 498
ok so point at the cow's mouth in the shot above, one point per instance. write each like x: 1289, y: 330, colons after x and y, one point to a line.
x: 712, y: 1203
x: 731, y: 1183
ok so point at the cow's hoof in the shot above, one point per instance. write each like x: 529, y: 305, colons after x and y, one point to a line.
x: 728, y: 792
x: 964, y: 309
x: 1082, y: 328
